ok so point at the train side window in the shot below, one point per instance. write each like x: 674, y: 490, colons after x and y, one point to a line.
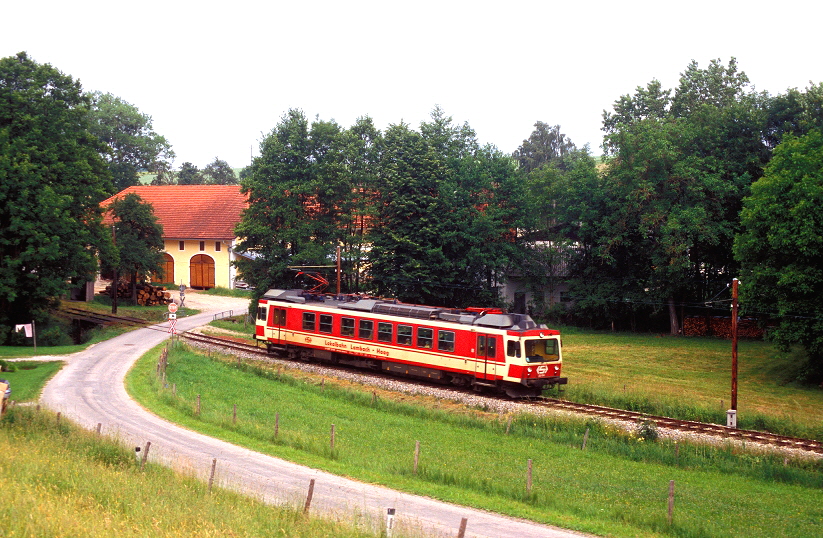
x: 261, y: 313
x: 404, y: 335
x: 384, y: 332
x: 308, y: 321
x: 366, y: 329
x: 491, y: 347
x: 325, y: 323
x: 513, y: 348
x: 347, y: 326
x: 425, y: 338
x: 445, y: 340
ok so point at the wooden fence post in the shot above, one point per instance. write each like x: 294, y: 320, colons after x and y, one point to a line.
x: 309, y: 496
x: 332, y: 438
x: 416, y: 455
x: 145, y: 455
x: 529, y: 477
x: 198, y: 405
x: 509, y: 424
x: 211, y: 476
x: 462, y: 532
x: 585, y: 438
x: 234, y: 415
x: 276, y: 424
x: 99, y: 426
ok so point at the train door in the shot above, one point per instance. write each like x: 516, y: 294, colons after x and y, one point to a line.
x: 277, y: 322
x: 485, y: 365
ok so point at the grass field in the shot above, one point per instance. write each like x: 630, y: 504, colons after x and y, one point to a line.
x: 60, y: 480
x: 617, y: 486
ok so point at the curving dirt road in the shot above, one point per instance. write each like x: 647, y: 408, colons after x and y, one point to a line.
x: 90, y: 391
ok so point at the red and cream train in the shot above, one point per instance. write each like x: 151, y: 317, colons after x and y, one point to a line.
x: 480, y: 348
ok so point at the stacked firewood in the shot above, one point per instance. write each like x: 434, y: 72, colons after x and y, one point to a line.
x: 147, y: 295
x: 720, y: 326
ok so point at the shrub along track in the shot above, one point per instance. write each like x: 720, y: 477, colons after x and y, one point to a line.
x: 704, y: 430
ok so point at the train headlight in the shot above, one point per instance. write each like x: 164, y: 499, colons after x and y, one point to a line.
x: 529, y: 369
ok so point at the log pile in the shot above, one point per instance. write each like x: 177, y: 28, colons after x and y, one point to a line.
x: 147, y: 295
x: 720, y: 326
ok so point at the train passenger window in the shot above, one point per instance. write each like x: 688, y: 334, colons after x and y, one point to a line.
x: 384, y: 332
x: 513, y: 348
x: 325, y: 323
x: 261, y: 313
x: 366, y: 329
x: 347, y: 326
x: 404, y: 335
x: 308, y: 321
x: 425, y: 338
x: 445, y: 340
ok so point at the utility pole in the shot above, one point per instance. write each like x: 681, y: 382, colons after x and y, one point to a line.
x: 731, y: 415
x: 338, y: 270
x: 116, y: 280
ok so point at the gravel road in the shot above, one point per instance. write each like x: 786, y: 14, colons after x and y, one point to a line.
x: 90, y: 391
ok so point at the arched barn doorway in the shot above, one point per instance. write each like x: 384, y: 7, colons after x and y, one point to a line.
x: 201, y: 272
x: 166, y: 274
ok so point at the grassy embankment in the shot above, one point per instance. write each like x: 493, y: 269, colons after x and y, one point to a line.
x: 617, y: 486
x: 60, y: 480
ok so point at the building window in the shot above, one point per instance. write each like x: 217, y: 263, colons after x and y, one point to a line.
x: 366, y: 329
x: 384, y: 332
x: 217, y: 246
x: 182, y: 245
x: 347, y: 326
x: 202, y: 246
x: 445, y: 340
x: 325, y: 323
x: 308, y: 321
x: 425, y: 338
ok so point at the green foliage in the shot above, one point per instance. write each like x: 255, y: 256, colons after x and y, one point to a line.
x: 51, y: 181
x: 189, y: 175
x: 133, y: 146
x: 28, y: 378
x: 781, y: 247
x: 544, y: 145
x: 218, y: 172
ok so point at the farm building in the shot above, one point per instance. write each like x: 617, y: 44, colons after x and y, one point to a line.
x: 198, y: 230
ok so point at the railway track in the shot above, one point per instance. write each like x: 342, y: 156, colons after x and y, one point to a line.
x: 102, y: 319
x: 716, y: 430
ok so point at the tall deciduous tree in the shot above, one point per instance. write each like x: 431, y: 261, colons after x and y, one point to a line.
x: 189, y: 175
x: 132, y: 144
x: 51, y: 181
x: 218, y: 172
x: 294, y: 189
x: 781, y: 247
x: 545, y: 144
x: 139, y: 240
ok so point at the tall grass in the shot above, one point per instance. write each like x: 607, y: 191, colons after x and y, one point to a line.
x: 60, y: 480
x: 617, y: 486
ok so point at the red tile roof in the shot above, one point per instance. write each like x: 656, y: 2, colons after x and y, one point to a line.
x: 191, y: 211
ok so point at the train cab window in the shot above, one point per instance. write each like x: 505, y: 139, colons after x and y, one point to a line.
x: 261, y: 313
x: 445, y: 340
x: 486, y: 346
x: 384, y: 332
x: 542, y: 350
x: 347, y: 326
x: 404, y: 335
x: 277, y: 317
x: 325, y: 323
x: 425, y: 338
x: 366, y: 329
x: 308, y: 321
x: 513, y: 348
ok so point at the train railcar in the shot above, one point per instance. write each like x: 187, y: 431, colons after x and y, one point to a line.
x: 479, y: 348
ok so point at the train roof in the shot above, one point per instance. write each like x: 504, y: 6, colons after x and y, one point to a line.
x: 491, y: 318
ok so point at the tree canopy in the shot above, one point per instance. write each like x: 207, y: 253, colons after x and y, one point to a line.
x: 51, y: 181
x: 132, y: 145
x: 781, y: 247
x: 218, y: 172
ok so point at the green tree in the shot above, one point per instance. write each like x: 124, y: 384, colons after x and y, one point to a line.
x: 189, y: 175
x: 138, y: 240
x: 218, y: 172
x: 781, y: 247
x: 293, y: 199
x: 545, y: 144
x: 132, y: 144
x: 51, y: 181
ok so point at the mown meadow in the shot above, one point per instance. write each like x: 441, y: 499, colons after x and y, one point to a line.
x: 617, y: 486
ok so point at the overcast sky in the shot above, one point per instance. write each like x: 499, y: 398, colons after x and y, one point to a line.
x: 217, y: 76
